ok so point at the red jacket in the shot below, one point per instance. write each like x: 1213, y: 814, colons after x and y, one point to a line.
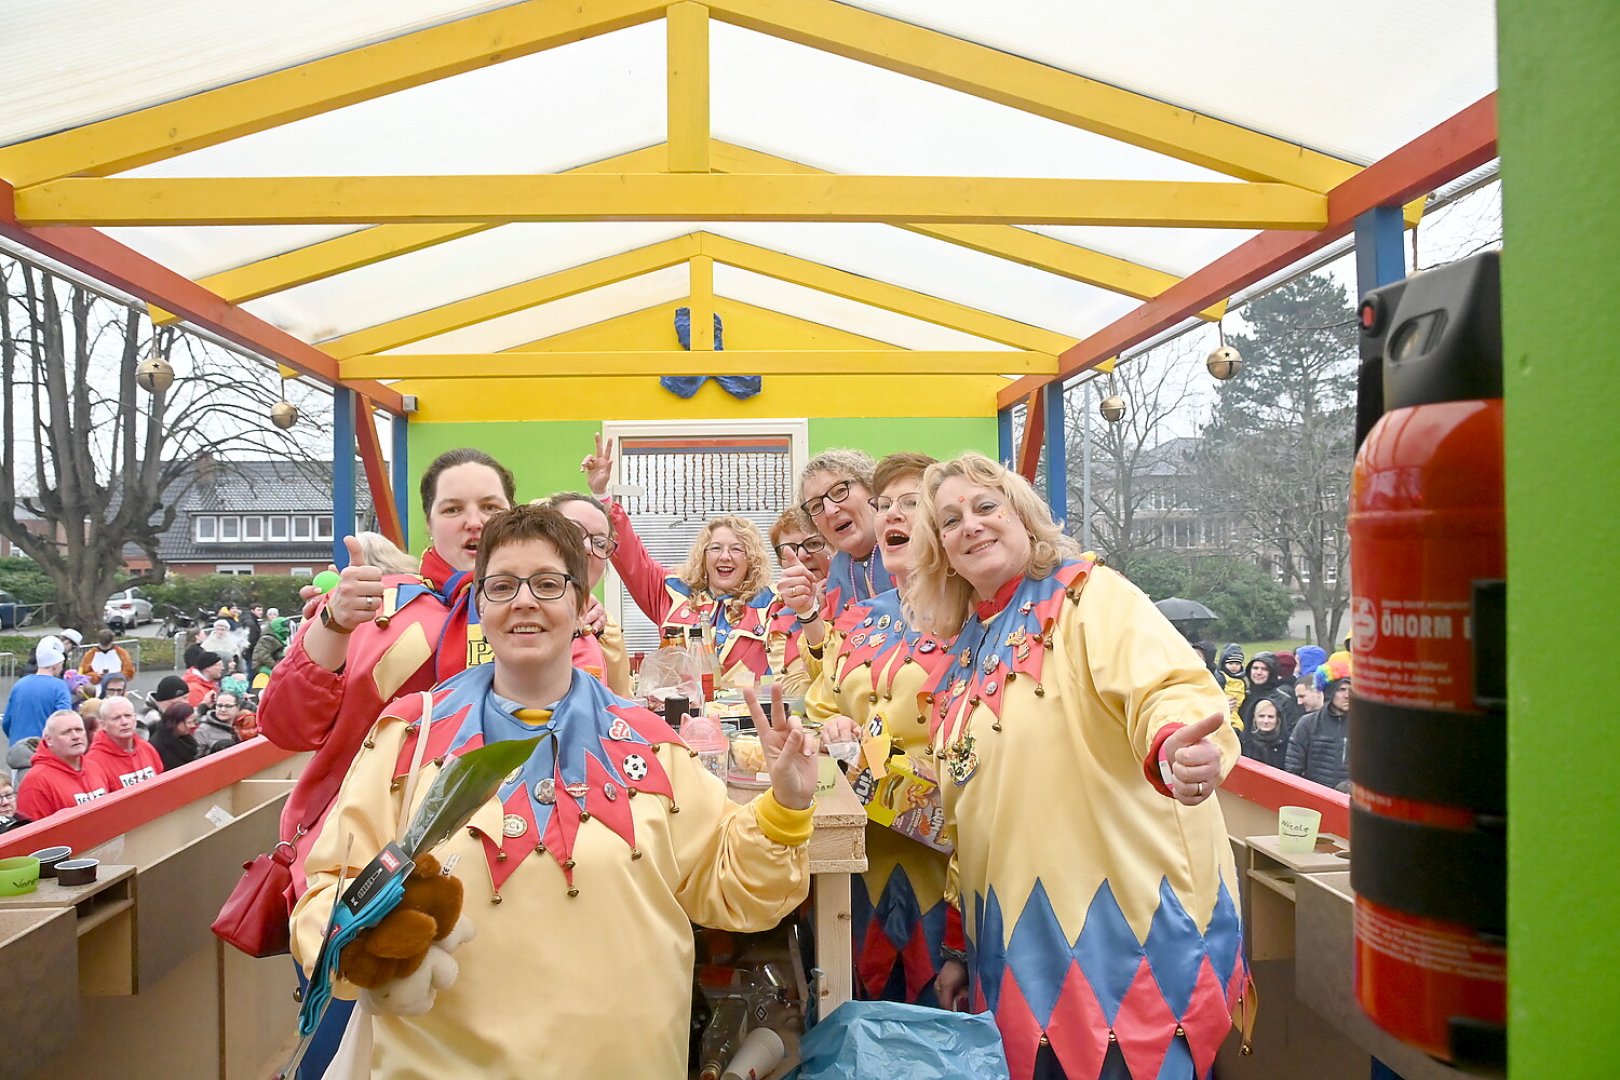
x: 114, y: 769
x: 51, y: 784
x: 306, y: 707
x: 198, y: 687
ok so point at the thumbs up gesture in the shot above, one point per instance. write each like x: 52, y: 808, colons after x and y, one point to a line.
x: 1192, y: 763
x: 357, y: 597
x: 797, y: 586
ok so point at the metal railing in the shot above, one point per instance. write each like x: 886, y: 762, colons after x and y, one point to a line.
x: 8, y: 665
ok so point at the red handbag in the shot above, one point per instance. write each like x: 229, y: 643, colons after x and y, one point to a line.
x: 255, y: 916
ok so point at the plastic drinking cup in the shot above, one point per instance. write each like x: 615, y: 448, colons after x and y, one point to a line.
x: 1296, y: 829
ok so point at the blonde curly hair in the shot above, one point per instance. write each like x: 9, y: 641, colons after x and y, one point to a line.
x: 758, y: 573
x: 941, y: 600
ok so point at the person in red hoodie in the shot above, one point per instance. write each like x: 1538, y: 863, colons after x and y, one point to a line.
x: 202, y: 681
x: 118, y: 754
x: 57, y: 778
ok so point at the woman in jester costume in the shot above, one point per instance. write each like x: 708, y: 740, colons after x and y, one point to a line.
x: 724, y: 588
x: 879, y: 675
x: 572, y: 951
x: 1080, y: 743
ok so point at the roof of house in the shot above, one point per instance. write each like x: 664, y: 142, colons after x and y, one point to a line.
x: 255, y: 487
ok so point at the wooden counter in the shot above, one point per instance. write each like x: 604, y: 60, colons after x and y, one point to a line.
x: 837, y: 850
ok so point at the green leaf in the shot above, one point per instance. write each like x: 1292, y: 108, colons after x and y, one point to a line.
x: 462, y: 786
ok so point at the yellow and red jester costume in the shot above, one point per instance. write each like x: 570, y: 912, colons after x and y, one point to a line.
x: 744, y: 645
x: 879, y: 676
x: 583, y: 876
x: 1098, y: 908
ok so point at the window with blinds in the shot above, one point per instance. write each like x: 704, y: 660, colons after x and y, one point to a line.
x: 685, y: 481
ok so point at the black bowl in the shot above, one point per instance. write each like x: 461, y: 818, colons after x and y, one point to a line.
x: 76, y: 871
x: 50, y: 857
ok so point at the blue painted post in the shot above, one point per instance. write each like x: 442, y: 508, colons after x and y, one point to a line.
x: 343, y: 523
x: 1004, y: 437
x: 1057, y: 452
x: 402, y: 479
x: 1380, y: 248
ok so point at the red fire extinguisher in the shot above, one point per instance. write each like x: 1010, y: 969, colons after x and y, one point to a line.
x: 1428, y: 731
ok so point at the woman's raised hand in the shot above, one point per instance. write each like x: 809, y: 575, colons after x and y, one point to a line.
x: 358, y: 595
x: 598, y: 467
x: 797, y: 587
x: 789, y: 750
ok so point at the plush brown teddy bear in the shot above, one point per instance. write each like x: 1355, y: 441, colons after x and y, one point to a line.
x: 396, y: 947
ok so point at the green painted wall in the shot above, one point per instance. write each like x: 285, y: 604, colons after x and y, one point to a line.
x: 1560, y: 145
x: 942, y: 437
x: 544, y: 455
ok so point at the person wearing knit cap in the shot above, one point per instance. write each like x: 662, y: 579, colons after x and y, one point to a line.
x: 1232, y: 660
x: 170, y: 688
x: 1308, y: 658
x: 35, y: 697
x: 202, y: 679
x: 1287, y: 665
x: 1319, y: 749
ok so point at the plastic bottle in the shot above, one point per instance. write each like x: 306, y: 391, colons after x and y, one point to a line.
x: 703, y: 660
x: 722, y: 1037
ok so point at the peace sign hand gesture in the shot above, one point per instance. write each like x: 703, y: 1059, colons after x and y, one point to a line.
x: 598, y: 467
x: 789, y: 750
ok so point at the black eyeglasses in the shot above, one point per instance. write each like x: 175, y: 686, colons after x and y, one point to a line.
x: 601, y: 543
x: 811, y: 545
x: 906, y: 503
x: 503, y: 588
x: 837, y: 493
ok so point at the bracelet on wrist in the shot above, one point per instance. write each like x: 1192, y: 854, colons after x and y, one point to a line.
x: 948, y: 953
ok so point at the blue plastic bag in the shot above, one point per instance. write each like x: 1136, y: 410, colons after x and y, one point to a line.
x: 885, y: 1040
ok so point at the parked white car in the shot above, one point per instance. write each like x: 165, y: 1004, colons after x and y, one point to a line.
x: 127, y: 608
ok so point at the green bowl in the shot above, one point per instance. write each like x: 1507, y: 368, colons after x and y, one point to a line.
x: 19, y: 875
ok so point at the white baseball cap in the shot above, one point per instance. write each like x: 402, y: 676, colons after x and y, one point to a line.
x: 49, y: 652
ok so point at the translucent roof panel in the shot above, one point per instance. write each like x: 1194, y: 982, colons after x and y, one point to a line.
x: 143, y: 54
x: 941, y: 269
x: 199, y: 250
x: 1353, y: 80
x: 1175, y: 251
x: 559, y: 316
x: 448, y: 272
x: 845, y: 116
x: 851, y: 315
x: 537, y: 114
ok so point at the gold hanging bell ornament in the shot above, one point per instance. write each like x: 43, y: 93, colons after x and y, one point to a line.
x: 154, y: 374
x: 1112, y: 408
x: 284, y: 414
x: 1224, y: 363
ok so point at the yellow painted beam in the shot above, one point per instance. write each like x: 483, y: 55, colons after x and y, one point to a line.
x: 354, y: 250
x: 681, y: 362
x: 686, y: 27
x: 1038, y: 88
x: 883, y: 295
x: 517, y: 297
x: 700, y: 303
x: 230, y: 112
x: 644, y: 197
x: 748, y: 328
x: 558, y: 398
x: 1030, y: 249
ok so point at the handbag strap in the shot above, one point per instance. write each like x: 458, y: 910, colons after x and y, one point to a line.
x: 416, y: 763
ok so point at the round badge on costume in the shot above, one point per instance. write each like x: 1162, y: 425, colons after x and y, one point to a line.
x: 635, y: 767
x: 513, y: 825
x: 545, y: 791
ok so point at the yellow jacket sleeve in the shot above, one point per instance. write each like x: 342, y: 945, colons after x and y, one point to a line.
x: 1145, y: 672
x: 733, y: 875
x: 615, y: 660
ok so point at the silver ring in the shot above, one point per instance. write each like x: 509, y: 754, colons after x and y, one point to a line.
x: 1199, y: 794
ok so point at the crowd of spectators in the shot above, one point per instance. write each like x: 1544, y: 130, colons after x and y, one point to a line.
x: 1291, y: 709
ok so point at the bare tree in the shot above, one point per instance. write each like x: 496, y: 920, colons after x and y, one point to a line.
x: 1278, y: 448
x: 1127, y: 469
x: 100, y: 462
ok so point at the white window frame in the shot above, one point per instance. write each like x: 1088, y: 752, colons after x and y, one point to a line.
x: 253, y: 529
x: 270, y: 528
x: 615, y: 598
x: 235, y: 523
x: 308, y: 533
x: 302, y: 571
x: 234, y: 569
x: 211, y: 535
x: 323, y: 531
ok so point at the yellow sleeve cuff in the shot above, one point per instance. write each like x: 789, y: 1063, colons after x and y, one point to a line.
x: 790, y: 827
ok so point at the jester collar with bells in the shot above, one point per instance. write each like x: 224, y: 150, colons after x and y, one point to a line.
x: 875, y: 632
x: 1007, y: 639
x: 604, y: 753
x: 729, y: 615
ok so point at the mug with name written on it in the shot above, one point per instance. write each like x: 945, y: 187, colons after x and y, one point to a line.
x: 1296, y: 828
